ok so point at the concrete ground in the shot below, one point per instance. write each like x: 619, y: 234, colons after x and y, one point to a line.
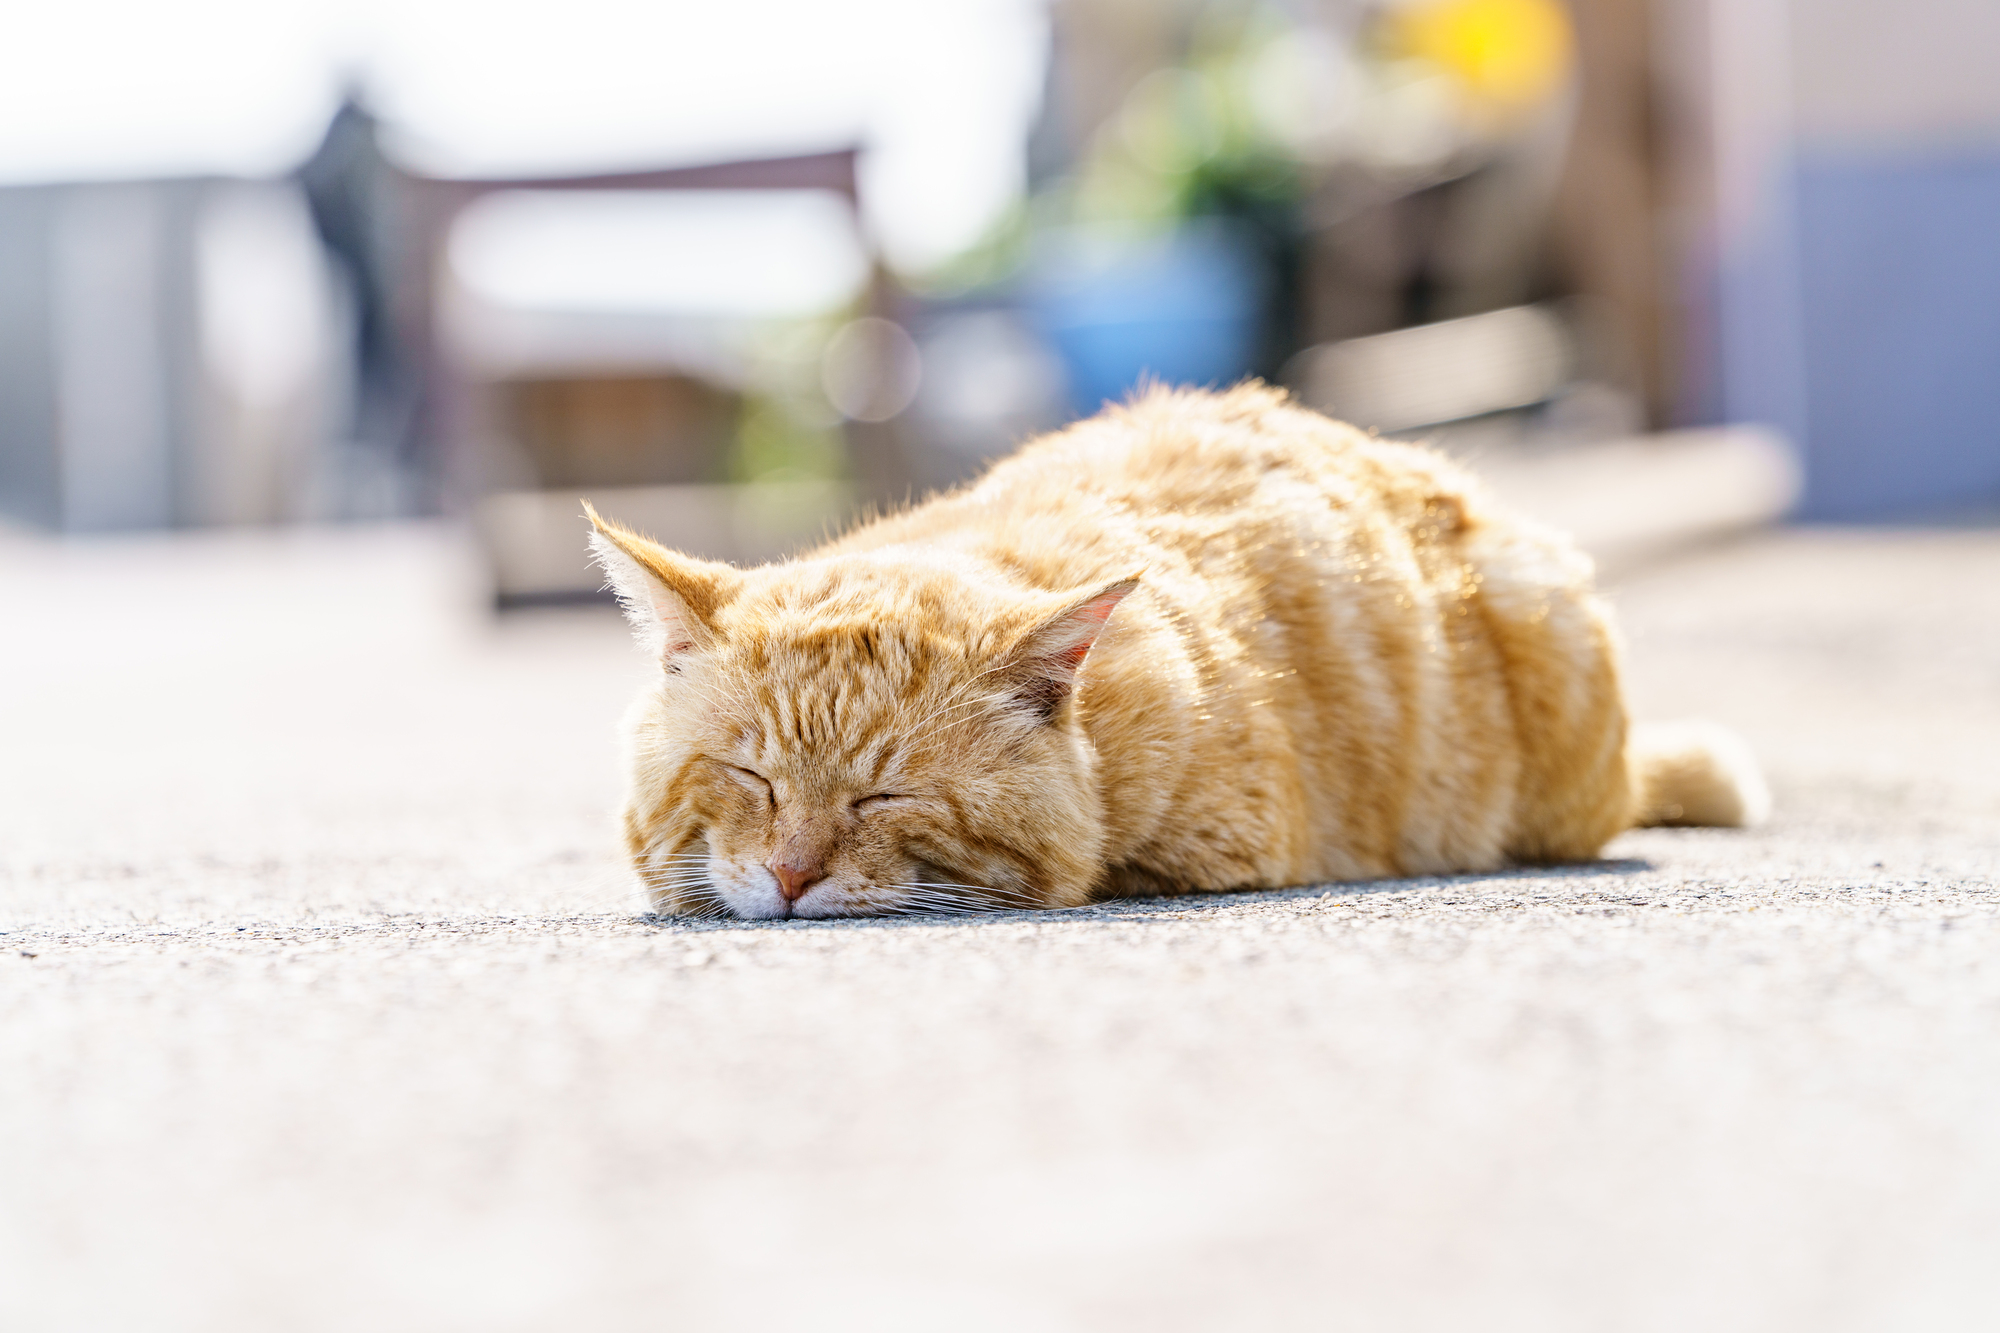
x: 324, y: 1004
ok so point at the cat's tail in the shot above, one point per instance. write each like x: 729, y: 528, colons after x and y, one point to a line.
x: 1696, y: 773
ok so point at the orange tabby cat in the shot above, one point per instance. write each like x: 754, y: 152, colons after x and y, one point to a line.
x: 1199, y: 642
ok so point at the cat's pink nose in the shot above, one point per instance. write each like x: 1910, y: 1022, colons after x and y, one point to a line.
x: 796, y: 876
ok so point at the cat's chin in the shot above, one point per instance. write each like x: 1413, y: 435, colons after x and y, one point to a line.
x: 814, y: 905
x: 750, y: 893
x: 818, y: 905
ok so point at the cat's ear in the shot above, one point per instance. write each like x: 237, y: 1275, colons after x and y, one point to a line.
x: 671, y: 599
x: 1043, y: 665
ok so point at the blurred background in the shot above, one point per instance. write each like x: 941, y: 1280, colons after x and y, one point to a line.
x: 325, y: 1003
x: 1657, y: 266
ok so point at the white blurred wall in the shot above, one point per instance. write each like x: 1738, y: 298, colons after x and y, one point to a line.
x: 1896, y: 125
x: 1845, y: 274
x: 173, y: 357
x: 1896, y: 74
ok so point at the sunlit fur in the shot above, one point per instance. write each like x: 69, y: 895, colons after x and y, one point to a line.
x: 1342, y: 660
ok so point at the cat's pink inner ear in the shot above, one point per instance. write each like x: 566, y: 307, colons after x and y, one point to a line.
x: 1084, y: 623
x: 1048, y: 659
x: 675, y: 628
x: 675, y: 637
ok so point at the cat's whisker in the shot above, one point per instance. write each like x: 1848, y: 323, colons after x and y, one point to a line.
x: 965, y: 694
x: 725, y: 707
x: 961, y: 695
x: 677, y: 885
x: 918, y: 907
x: 985, y: 891
x: 700, y: 901
x: 685, y: 879
x: 964, y: 718
x: 708, y: 905
x: 949, y: 705
x: 658, y: 861
x: 931, y: 897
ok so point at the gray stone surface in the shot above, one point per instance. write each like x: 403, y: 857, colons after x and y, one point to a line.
x: 324, y: 1004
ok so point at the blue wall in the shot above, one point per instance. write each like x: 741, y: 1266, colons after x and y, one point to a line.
x: 1182, y: 307
x: 1899, y: 278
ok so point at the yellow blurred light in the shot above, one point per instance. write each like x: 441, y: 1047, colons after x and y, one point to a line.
x: 1509, y: 55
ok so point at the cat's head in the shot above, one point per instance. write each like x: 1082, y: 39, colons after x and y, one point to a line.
x: 853, y: 735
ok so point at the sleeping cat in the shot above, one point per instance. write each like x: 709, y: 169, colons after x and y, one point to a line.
x: 1199, y: 642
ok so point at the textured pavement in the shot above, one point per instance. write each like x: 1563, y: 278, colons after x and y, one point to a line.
x: 325, y: 1004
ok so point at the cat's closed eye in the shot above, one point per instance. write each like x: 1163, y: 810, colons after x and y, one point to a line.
x: 752, y: 779
x: 878, y: 801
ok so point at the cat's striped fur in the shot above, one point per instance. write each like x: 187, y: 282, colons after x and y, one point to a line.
x: 1199, y: 642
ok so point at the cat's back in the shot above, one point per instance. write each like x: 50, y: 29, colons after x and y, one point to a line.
x: 1190, y: 453
x: 1321, y: 674
x: 1195, y: 477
